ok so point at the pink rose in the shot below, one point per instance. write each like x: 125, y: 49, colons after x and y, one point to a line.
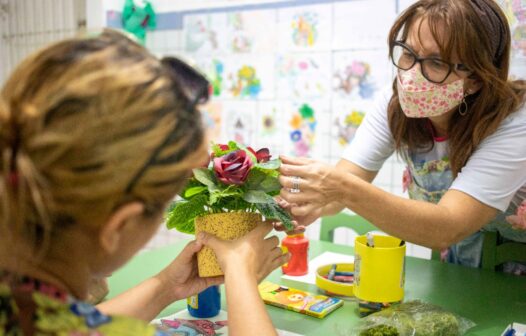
x: 262, y: 155
x: 233, y: 168
x: 518, y: 221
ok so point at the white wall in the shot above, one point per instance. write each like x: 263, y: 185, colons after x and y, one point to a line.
x: 27, y: 25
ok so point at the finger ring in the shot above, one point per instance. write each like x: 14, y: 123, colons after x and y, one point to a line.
x: 294, y: 190
x: 296, y: 183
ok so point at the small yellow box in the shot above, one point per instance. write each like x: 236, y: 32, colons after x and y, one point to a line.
x: 334, y: 287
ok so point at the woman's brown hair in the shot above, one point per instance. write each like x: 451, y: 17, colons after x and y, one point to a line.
x: 78, y: 121
x: 477, y: 32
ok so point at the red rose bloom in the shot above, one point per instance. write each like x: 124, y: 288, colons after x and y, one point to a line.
x: 233, y: 168
x: 262, y: 155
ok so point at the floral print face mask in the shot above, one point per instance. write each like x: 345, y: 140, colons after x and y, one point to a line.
x: 420, y: 98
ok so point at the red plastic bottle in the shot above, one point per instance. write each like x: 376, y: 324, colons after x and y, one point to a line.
x: 298, y: 246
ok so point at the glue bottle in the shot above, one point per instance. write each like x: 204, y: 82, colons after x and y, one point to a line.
x: 205, y: 304
x: 297, y: 245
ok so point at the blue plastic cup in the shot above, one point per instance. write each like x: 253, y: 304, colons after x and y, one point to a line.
x: 205, y: 304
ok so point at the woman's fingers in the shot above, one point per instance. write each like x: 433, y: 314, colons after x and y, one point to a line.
x: 293, y: 182
x: 272, y: 242
x: 303, y: 209
x: 292, y: 170
x: 297, y: 161
x: 296, y: 197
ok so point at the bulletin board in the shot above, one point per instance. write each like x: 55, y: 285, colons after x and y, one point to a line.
x: 299, y: 76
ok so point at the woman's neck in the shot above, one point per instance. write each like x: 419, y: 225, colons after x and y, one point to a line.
x: 440, y: 125
x: 64, y: 271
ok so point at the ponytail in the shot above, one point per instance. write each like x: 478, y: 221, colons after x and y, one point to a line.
x: 24, y: 202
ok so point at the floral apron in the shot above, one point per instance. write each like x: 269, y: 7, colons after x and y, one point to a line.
x: 429, y: 180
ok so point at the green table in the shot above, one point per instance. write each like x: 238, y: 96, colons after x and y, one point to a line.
x: 490, y: 299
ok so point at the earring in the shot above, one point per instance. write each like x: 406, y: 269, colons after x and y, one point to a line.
x: 463, y: 107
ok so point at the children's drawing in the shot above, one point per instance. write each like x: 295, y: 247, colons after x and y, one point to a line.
x: 303, y: 130
x: 204, y: 33
x: 238, y: 122
x: 305, y: 27
x: 245, y: 83
x: 348, y: 125
x: 248, y: 77
x: 244, y: 31
x: 193, y: 327
x: 346, y: 118
x: 361, y: 74
x: 515, y: 11
x: 212, y: 113
x: 304, y: 76
x: 270, y: 127
x: 355, y: 77
x: 214, y: 70
x: 216, y: 77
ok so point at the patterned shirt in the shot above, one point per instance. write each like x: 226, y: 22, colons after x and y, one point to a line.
x: 32, y: 307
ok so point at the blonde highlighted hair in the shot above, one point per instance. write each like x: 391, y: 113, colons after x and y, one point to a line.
x: 78, y: 120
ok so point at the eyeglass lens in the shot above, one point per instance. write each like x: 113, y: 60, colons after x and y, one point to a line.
x: 433, y: 69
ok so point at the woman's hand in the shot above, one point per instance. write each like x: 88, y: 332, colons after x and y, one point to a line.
x: 316, y: 186
x: 299, y: 222
x: 252, y: 254
x: 181, y: 279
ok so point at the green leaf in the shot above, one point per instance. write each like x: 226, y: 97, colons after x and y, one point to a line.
x: 218, y: 152
x: 254, y: 179
x: 205, y: 176
x: 270, y: 184
x: 194, y: 191
x: 257, y: 196
x: 231, y: 190
x: 182, y: 216
x: 272, y: 164
x: 275, y: 212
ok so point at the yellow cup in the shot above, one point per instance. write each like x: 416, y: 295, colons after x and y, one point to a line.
x: 379, y: 271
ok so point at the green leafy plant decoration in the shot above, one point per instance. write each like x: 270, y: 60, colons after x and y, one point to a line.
x: 237, y: 179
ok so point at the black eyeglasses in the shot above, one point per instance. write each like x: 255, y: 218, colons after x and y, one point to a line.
x: 193, y: 87
x: 433, y: 68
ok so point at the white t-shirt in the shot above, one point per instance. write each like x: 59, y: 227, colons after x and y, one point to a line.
x: 494, y: 174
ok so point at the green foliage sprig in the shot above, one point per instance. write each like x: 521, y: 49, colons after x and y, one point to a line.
x: 237, y: 179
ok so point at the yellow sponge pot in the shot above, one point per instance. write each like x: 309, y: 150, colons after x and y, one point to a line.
x: 227, y: 226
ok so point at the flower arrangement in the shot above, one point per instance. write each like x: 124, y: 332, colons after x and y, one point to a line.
x: 237, y: 179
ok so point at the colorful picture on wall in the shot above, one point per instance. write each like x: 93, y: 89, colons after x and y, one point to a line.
x: 269, y: 127
x: 346, y: 118
x: 212, y: 117
x: 238, y: 122
x: 204, y: 33
x: 306, y: 123
x: 303, y: 76
x: 248, y: 78
x: 305, y: 27
x: 361, y: 74
x: 244, y: 31
x: 515, y: 11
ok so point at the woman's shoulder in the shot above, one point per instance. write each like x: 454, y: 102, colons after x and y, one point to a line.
x: 513, y: 126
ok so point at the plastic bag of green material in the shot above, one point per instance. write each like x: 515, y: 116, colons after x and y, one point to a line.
x: 413, y: 318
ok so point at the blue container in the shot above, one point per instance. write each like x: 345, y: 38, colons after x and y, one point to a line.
x: 205, y: 304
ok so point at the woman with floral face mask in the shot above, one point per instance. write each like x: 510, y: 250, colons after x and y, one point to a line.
x: 457, y: 122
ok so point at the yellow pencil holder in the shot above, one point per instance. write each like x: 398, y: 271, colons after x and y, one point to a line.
x: 379, y: 272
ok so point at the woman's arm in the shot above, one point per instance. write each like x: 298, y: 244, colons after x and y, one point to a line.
x: 438, y: 226
x: 177, y: 281
x: 245, y: 262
